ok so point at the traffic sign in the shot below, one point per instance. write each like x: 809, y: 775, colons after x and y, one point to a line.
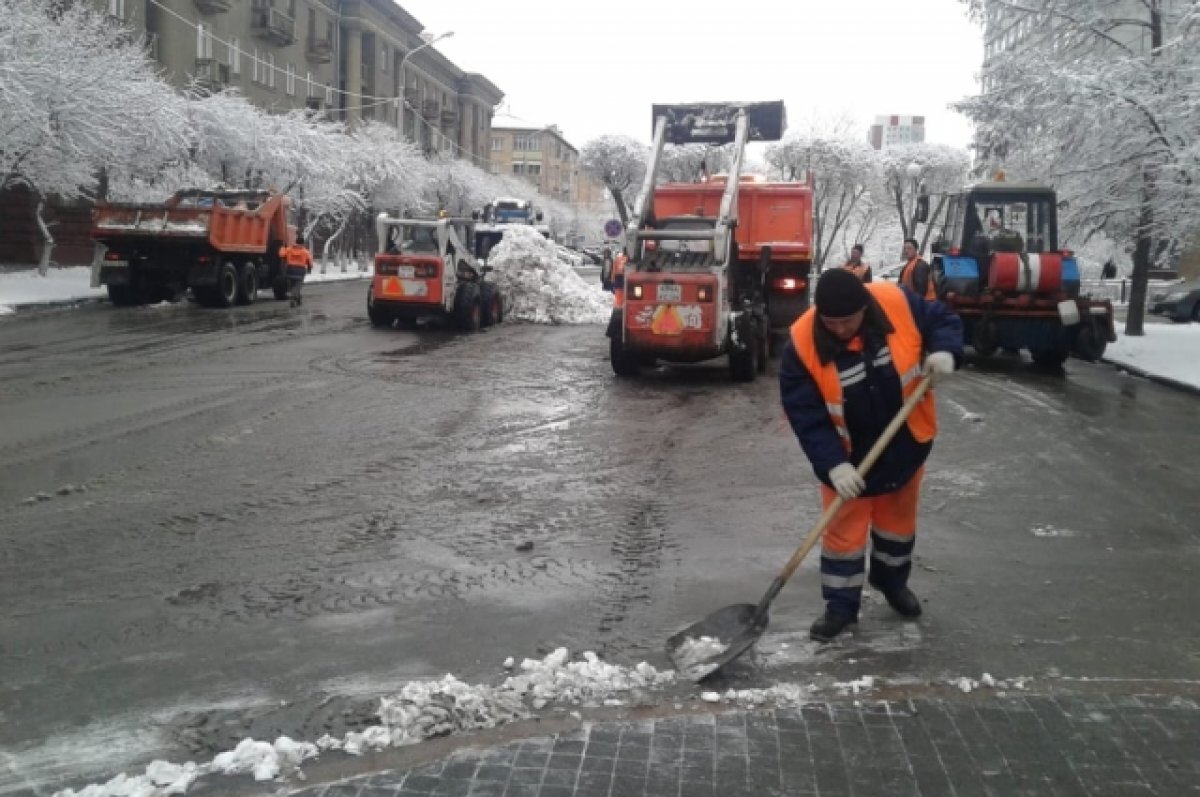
x: 612, y: 228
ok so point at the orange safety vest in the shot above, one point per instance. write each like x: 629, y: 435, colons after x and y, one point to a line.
x: 296, y: 257
x: 858, y: 269
x: 906, y: 348
x: 618, y: 281
x: 909, y: 274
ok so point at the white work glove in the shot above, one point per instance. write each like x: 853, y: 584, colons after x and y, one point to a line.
x: 846, y: 481
x: 938, y: 365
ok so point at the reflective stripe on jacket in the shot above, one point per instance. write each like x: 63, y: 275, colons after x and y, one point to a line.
x: 902, y: 354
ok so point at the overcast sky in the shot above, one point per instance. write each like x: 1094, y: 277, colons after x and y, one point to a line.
x: 595, y: 68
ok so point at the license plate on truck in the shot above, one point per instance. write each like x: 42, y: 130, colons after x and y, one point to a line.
x: 669, y: 293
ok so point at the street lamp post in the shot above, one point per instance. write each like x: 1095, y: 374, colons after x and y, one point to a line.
x: 401, y: 100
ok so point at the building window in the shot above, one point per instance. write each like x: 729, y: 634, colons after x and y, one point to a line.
x: 497, y: 143
x: 383, y: 60
x: 203, y: 43
x: 310, y: 88
x: 255, y: 67
x: 234, y: 56
x: 291, y: 80
x: 329, y: 96
x: 270, y: 66
x: 116, y: 8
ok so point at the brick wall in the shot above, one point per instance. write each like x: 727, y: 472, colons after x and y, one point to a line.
x: 21, y: 241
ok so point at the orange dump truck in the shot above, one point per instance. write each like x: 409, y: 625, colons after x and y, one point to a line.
x: 223, y: 245
x: 773, y: 218
x: 695, y: 283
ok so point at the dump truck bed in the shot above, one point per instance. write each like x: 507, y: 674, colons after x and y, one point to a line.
x: 236, y: 223
x: 778, y: 215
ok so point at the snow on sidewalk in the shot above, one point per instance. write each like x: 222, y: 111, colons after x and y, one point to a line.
x: 1170, y: 351
x: 71, y: 283
x: 59, y: 285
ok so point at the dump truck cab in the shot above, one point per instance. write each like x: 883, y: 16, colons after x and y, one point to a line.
x: 425, y: 268
x: 998, y: 264
x: 689, y: 293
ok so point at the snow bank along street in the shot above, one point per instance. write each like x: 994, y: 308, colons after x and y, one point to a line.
x: 244, y: 541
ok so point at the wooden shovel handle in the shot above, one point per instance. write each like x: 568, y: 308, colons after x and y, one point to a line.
x: 868, y: 462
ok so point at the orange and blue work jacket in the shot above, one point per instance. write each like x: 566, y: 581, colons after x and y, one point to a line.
x: 916, y: 277
x: 297, y: 259
x: 839, y: 396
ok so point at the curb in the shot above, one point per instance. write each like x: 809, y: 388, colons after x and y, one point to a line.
x: 1166, y: 381
x: 80, y: 300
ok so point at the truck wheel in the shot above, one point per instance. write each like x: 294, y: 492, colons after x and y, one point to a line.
x: 743, y: 365
x: 493, y: 304
x: 279, y: 286
x: 125, y: 295
x: 764, y: 344
x: 624, y: 362
x: 983, y: 340
x: 379, y: 317
x: 1091, y: 341
x: 248, y: 283
x: 227, y: 285
x: 468, y: 312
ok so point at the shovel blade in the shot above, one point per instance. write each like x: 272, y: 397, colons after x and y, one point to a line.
x: 703, y: 648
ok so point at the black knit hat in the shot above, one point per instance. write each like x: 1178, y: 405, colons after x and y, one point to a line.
x: 840, y: 294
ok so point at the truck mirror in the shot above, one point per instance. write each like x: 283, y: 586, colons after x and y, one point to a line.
x: 922, y: 214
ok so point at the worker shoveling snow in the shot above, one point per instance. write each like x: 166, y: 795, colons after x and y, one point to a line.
x: 541, y: 286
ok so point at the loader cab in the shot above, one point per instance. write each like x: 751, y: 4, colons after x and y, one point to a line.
x: 1000, y: 217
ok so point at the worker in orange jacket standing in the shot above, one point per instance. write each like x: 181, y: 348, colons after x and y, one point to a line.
x: 856, y: 265
x: 916, y: 275
x: 298, y: 262
x: 851, y: 362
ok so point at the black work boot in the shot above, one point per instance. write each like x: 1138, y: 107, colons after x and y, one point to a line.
x: 829, y: 625
x: 904, y: 602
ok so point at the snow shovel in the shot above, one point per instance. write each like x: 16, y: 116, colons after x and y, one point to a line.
x: 701, y: 649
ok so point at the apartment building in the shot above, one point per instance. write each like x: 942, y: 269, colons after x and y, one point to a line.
x: 351, y: 59
x: 542, y: 156
x: 888, y: 131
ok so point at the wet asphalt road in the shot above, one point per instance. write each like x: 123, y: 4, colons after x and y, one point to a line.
x: 220, y: 524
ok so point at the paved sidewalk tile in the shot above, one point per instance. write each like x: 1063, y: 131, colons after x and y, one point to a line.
x: 1092, y: 747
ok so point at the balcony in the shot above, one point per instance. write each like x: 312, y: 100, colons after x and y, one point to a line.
x: 273, y: 25
x: 449, y: 117
x: 210, y: 75
x: 431, y: 109
x: 319, y: 51
x: 213, y: 6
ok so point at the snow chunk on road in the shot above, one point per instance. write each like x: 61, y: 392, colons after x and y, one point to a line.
x: 263, y: 760
x: 540, y: 285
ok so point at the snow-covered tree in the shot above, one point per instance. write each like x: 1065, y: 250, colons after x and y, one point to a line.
x: 690, y: 162
x: 1100, y: 99
x: 78, y: 96
x: 843, y: 172
x: 619, y: 162
x: 909, y: 169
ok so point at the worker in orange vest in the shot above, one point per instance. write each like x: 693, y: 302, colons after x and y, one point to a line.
x: 856, y: 265
x: 850, y: 363
x: 618, y: 280
x: 916, y: 275
x: 298, y: 262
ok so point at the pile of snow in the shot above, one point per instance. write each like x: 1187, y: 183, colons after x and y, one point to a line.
x: 59, y: 285
x: 421, y: 710
x: 1166, y: 350
x: 540, y: 285
x: 784, y: 695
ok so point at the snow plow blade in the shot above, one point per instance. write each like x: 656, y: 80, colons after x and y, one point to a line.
x: 716, y: 122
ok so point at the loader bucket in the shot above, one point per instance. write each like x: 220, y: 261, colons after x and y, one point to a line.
x: 715, y: 122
